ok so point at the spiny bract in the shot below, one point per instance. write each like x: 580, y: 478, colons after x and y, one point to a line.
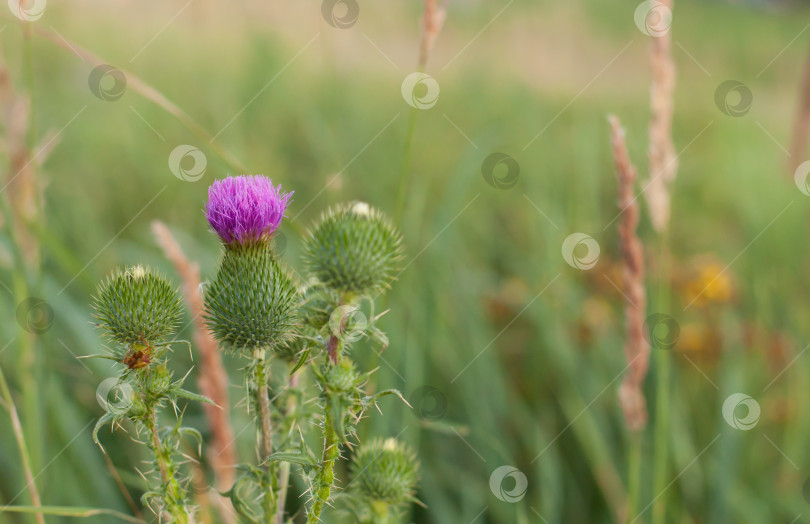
x: 251, y: 303
x: 136, y: 306
x: 354, y: 249
x: 385, y: 470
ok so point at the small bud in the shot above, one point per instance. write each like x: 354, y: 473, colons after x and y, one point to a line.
x: 251, y: 303
x: 137, y: 306
x: 385, y: 471
x: 342, y: 376
x: 157, y: 380
x: 136, y: 408
x: 319, y: 304
x: 354, y: 249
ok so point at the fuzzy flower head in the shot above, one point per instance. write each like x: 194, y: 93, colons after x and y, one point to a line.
x: 245, y: 209
x: 386, y: 471
x: 137, y: 306
x: 354, y: 248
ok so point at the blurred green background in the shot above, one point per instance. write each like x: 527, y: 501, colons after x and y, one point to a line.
x: 498, y: 372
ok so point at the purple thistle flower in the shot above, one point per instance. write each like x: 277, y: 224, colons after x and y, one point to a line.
x: 244, y: 208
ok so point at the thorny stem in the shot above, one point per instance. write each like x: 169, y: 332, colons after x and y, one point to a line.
x: 174, y: 496
x: 284, y: 472
x: 322, y: 486
x: 20, y: 437
x: 325, y: 477
x: 266, y: 430
x: 332, y: 349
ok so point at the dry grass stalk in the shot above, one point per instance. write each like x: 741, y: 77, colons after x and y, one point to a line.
x: 432, y: 23
x: 147, y: 91
x: 801, y: 129
x: 20, y: 183
x: 662, y: 157
x: 636, y: 349
x: 213, y: 379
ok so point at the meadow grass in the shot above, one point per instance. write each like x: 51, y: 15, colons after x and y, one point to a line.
x: 540, y: 378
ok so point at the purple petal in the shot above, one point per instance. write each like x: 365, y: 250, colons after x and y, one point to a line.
x: 245, y: 208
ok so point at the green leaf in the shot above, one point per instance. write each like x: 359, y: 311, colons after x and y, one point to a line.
x: 378, y: 337
x: 301, y: 361
x: 239, y: 504
x: 338, y: 416
x: 185, y: 430
x: 107, y: 357
x: 107, y: 417
x: 372, y: 399
x: 295, y: 457
x: 182, y: 393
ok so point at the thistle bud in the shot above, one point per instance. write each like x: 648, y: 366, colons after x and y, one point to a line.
x: 157, y: 380
x: 137, y: 306
x: 251, y: 303
x: 318, y: 305
x: 385, y: 471
x: 342, y: 377
x: 136, y: 408
x: 354, y: 249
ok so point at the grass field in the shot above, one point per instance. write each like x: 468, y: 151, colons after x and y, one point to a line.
x: 509, y: 355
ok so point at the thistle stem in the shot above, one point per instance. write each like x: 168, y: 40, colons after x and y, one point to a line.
x: 284, y: 471
x: 326, y: 472
x: 266, y: 430
x: 173, y: 493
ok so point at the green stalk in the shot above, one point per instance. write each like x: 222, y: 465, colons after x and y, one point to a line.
x: 405, y: 172
x: 285, y: 469
x: 19, y: 435
x: 662, y: 393
x: 326, y: 472
x: 174, y: 496
x: 266, y: 430
x: 634, y: 475
x: 325, y: 477
x: 30, y: 364
x: 25, y: 360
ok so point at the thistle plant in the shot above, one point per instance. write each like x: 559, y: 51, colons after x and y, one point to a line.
x: 251, y: 304
x: 258, y: 312
x: 352, y: 254
x: 139, y: 310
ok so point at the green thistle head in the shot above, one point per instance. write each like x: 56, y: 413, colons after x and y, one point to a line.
x: 342, y: 377
x: 137, y: 306
x: 251, y: 303
x: 354, y: 249
x: 156, y: 381
x: 385, y: 471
